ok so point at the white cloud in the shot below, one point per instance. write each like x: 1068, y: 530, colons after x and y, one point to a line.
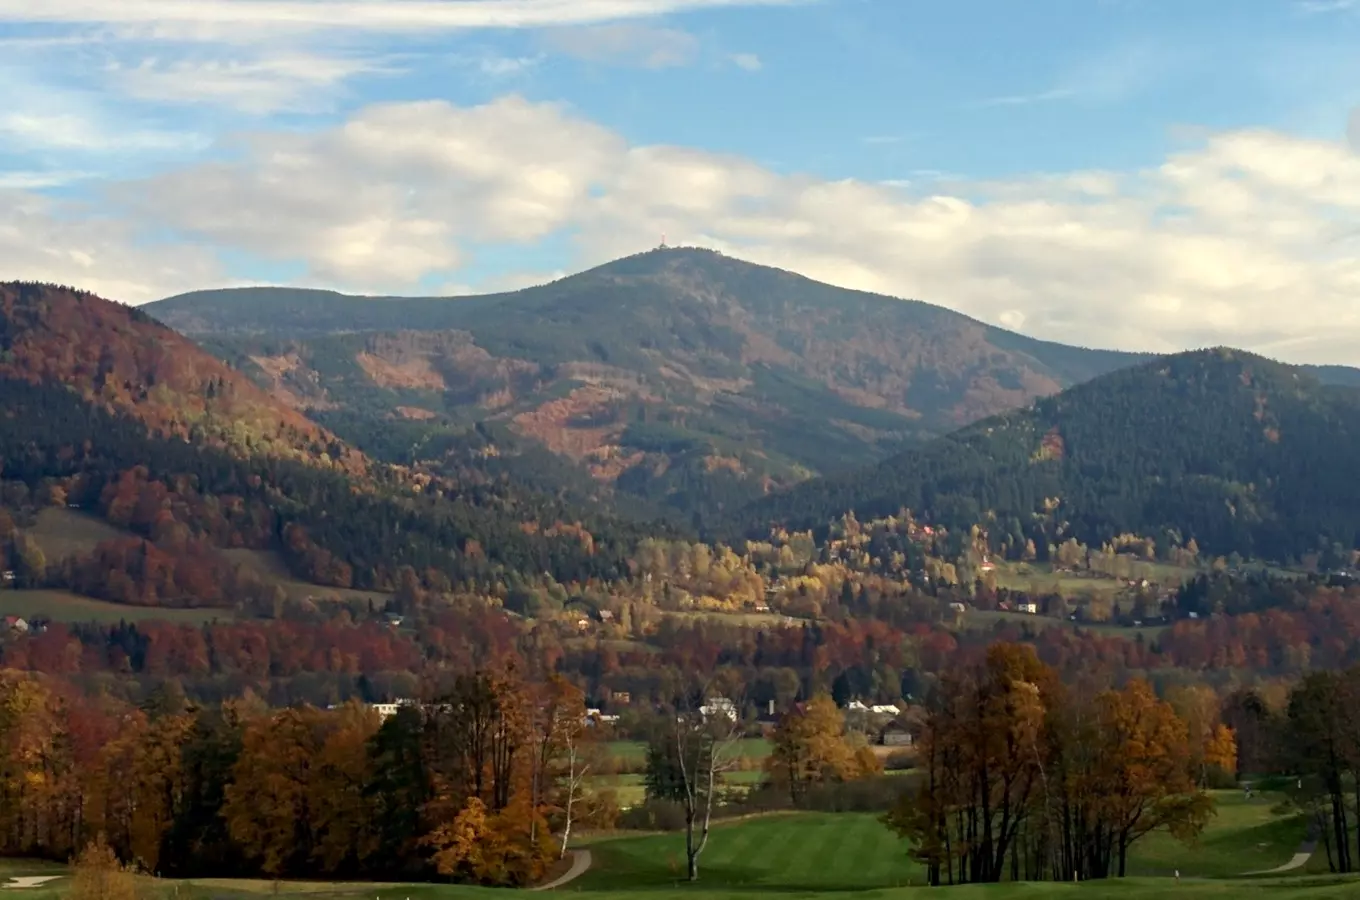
x: 385, y: 199
x: 30, y: 129
x: 36, y: 117
x: 1353, y: 129
x: 213, y: 19
x: 39, y: 179
x: 625, y: 43
x: 288, y: 81
x: 1326, y: 6
x: 1026, y: 99
x: 748, y: 61
x: 44, y: 240
x: 1242, y: 240
x: 506, y: 66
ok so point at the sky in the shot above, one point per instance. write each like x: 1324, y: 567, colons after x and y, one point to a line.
x: 1136, y: 174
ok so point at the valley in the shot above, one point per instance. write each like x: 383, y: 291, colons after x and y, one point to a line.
x: 292, y: 546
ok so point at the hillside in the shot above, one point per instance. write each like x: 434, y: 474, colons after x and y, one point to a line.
x: 118, y: 358
x: 1240, y: 453
x: 108, y: 412
x: 681, y: 376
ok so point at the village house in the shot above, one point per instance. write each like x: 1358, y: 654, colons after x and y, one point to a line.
x: 595, y: 717
x: 1031, y: 608
x: 719, y: 706
x: 896, y: 734
x: 16, y: 625
x: 384, y: 710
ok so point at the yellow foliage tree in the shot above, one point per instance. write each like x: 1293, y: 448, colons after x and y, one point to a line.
x: 98, y: 875
x: 810, y: 746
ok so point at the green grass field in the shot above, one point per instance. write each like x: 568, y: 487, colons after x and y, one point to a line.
x: 822, y: 854
x: 853, y: 852
x: 629, y: 790
x: 271, y: 567
x: 62, y: 532
x: 804, y: 852
x: 1023, y: 576
x: 986, y: 619
x: 1243, y: 837
x: 636, y: 751
x: 64, y: 606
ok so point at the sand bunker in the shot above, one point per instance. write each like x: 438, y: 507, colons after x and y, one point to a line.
x: 28, y: 881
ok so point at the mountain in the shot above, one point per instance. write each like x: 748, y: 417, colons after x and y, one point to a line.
x: 1238, y: 452
x: 120, y: 359
x: 682, y: 376
x: 106, y: 411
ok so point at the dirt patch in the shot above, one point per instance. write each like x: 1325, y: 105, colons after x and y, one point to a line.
x: 550, y: 423
x: 413, y: 373
x: 730, y: 463
x: 415, y: 412
x: 292, y: 383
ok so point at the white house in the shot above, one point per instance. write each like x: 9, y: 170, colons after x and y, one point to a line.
x: 1031, y: 608
x: 384, y: 710
x: 16, y: 624
x: 856, y: 706
x: 719, y: 706
x: 884, y: 709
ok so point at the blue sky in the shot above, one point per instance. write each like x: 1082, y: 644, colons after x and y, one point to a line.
x: 1135, y: 173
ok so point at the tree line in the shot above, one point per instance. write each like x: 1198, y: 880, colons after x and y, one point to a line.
x: 476, y: 784
x: 1024, y: 777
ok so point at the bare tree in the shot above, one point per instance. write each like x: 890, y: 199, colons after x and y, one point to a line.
x: 706, y: 739
x: 576, y: 773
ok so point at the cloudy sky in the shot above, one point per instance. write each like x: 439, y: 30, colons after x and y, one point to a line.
x: 1142, y: 174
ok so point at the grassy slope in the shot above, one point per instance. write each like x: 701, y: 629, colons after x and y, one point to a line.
x: 820, y: 852
x: 812, y: 852
x: 65, y: 532
x: 64, y: 606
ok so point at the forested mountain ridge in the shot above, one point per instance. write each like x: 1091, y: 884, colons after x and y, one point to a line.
x: 682, y: 376
x: 107, y: 411
x: 119, y: 358
x: 1237, y: 452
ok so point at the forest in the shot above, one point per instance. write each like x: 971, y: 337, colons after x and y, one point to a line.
x: 1243, y: 454
x: 470, y: 785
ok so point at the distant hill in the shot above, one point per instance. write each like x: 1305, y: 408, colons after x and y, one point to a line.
x: 1240, y: 453
x: 122, y: 360
x: 105, y: 410
x: 681, y: 376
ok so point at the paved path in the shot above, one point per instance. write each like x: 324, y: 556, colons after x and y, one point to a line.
x: 1304, y: 854
x: 580, y: 863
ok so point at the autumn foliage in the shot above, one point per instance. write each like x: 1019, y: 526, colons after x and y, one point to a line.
x: 468, y: 786
x: 1024, y: 778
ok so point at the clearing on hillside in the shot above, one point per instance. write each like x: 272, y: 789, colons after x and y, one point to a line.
x: 64, y: 606
x: 62, y: 532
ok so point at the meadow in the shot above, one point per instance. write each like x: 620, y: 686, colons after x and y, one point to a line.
x: 816, y: 855
x: 62, y: 533
x: 64, y: 606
